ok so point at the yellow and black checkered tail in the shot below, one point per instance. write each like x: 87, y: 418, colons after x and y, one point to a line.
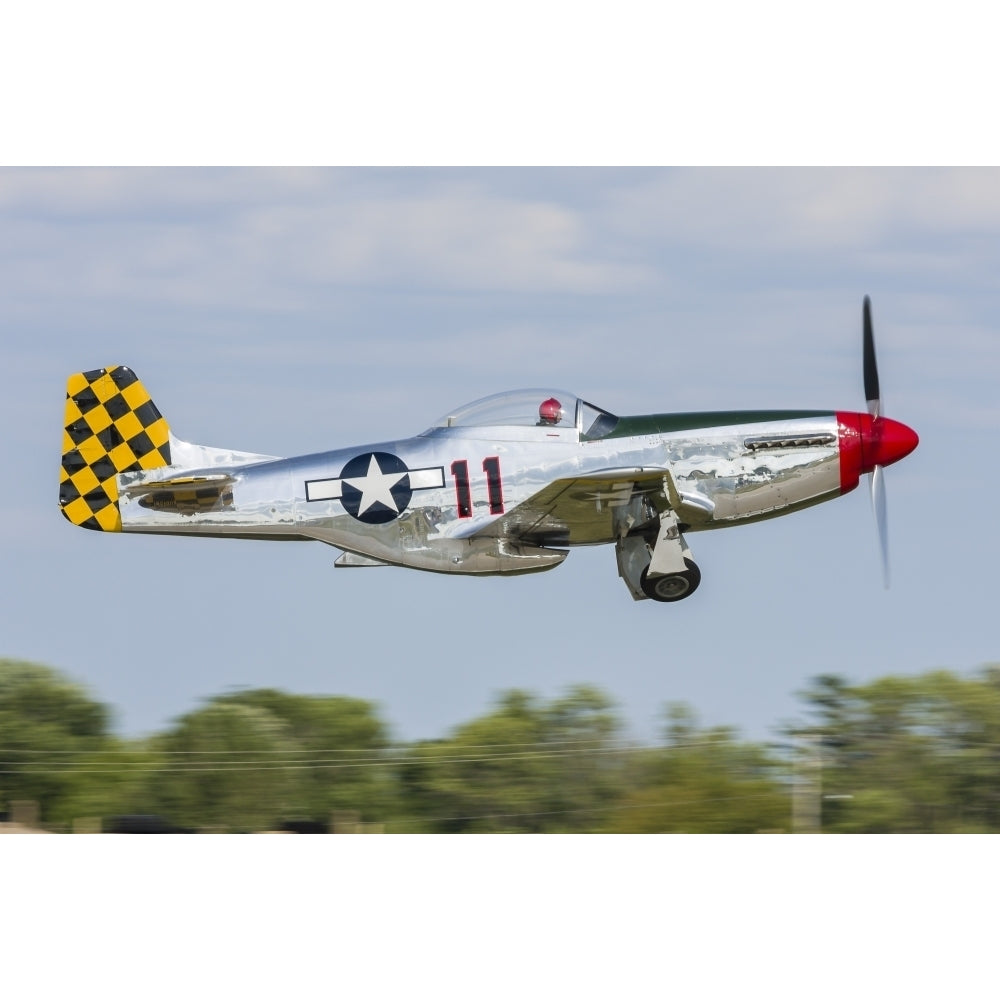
x: 111, y: 426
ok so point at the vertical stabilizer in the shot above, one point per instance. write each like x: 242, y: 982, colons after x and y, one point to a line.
x: 111, y: 426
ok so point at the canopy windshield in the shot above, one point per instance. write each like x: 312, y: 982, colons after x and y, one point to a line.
x: 522, y: 408
x: 532, y: 408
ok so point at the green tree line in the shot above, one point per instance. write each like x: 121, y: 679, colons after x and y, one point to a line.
x: 898, y: 754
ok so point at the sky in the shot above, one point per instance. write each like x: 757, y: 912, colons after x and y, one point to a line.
x: 289, y: 311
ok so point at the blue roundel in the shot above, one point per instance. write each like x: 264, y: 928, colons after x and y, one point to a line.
x: 375, y: 487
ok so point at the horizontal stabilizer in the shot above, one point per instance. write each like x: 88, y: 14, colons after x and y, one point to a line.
x: 184, y: 494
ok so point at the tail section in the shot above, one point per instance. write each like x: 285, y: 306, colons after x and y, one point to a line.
x: 111, y: 426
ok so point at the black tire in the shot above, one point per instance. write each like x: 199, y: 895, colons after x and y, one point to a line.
x: 673, y: 586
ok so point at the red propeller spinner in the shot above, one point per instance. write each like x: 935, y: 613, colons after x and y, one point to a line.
x: 867, y: 441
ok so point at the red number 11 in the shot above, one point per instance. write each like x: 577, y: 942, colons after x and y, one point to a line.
x: 463, y: 487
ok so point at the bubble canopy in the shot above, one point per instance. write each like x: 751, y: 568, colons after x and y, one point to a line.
x: 523, y: 408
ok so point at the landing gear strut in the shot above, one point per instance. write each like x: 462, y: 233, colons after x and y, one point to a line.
x: 658, y: 566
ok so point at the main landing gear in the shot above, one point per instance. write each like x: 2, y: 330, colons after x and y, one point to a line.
x: 658, y: 566
x: 671, y: 586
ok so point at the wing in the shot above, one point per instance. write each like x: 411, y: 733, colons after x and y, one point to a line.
x: 598, y: 507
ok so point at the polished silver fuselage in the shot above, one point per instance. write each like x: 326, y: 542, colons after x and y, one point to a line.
x: 507, y: 498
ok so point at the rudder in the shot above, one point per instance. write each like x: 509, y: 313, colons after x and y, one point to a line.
x: 111, y: 426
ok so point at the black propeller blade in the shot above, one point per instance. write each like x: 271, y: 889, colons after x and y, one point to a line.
x: 872, y: 393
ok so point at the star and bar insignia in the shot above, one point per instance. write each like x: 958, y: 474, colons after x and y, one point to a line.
x: 375, y: 487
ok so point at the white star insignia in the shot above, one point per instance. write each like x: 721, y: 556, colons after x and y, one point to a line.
x: 376, y: 487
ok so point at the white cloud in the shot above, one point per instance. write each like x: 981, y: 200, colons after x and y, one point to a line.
x: 205, y: 237
x: 267, y: 238
x: 744, y: 210
x: 462, y: 239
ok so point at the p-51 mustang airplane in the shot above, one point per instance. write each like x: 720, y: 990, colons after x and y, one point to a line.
x: 504, y: 485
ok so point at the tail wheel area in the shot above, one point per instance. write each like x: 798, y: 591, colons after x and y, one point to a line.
x: 671, y: 586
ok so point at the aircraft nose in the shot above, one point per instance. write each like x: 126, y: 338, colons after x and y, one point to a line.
x: 866, y: 442
x: 884, y: 441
